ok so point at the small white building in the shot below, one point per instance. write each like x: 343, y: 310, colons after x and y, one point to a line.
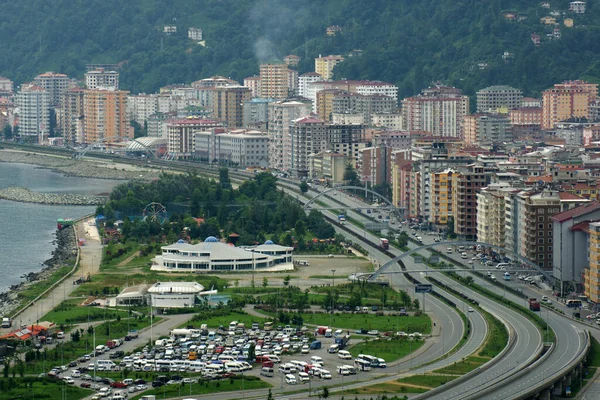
x: 195, y: 34
x: 168, y: 29
x: 215, y: 256
x: 578, y: 7
x: 174, y: 294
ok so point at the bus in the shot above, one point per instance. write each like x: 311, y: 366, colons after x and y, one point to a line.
x: 362, y: 365
x: 574, y: 303
x: 506, y: 276
x: 374, y: 361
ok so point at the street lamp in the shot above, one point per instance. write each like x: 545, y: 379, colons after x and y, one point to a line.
x: 332, y: 304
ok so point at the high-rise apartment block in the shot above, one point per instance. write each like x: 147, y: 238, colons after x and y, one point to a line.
x: 253, y: 82
x: 33, y: 103
x: 6, y: 85
x: 495, y: 97
x: 281, y: 115
x: 304, y: 80
x: 70, y: 117
x: 366, y: 105
x: 438, y: 110
x: 567, y: 100
x: 105, y: 116
x: 486, y: 128
x: 181, y: 136
x: 324, y: 65
x: 466, y: 183
x: 228, y: 104
x: 101, y: 78
x: 275, y: 81
x: 55, y: 84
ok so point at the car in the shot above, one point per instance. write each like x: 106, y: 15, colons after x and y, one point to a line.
x: 69, y: 380
x: 470, y: 262
x: 373, y: 332
x: 85, y: 385
x: 141, y: 387
x: 470, y: 309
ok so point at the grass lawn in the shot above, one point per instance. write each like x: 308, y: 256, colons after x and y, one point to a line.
x: 382, y: 323
x: 34, y: 388
x: 213, y: 322
x: 170, y: 391
x: 497, y: 337
x: 389, y: 350
x: 463, y: 366
x: 429, y: 381
x: 70, y: 312
x: 34, y: 290
x: 593, y: 359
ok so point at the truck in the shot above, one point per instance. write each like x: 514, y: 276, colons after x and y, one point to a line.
x: 111, y: 344
x: 534, y: 305
x: 342, y: 341
x: 6, y: 322
x: 316, y: 345
x: 342, y: 219
x: 321, y: 330
x: 384, y: 243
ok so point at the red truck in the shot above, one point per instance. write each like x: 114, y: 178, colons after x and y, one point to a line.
x: 384, y: 243
x: 534, y: 305
x: 321, y: 330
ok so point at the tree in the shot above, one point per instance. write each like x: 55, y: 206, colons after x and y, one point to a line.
x: 450, y: 225
x: 325, y: 392
x: 351, y: 176
x: 224, y: 178
x: 304, y: 187
x: 75, y: 336
x: 300, y: 228
x: 265, y: 282
x: 7, y: 132
x: 416, y: 304
x: 252, y: 352
x: 286, y: 280
x: 270, y: 395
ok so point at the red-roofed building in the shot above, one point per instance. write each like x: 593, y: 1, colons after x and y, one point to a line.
x: 571, y: 234
x: 584, y: 190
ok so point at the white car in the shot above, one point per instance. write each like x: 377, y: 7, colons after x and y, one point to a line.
x: 69, y: 380
x: 470, y: 309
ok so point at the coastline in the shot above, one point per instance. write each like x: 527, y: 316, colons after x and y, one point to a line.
x: 65, y: 251
x: 80, y: 168
x: 24, y: 195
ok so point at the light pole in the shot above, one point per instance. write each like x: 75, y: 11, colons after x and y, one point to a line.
x: 332, y: 303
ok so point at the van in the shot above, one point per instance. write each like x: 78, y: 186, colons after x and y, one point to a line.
x: 104, y: 392
x: 60, y: 335
x: 344, y: 355
x: 464, y: 256
x: 303, y: 377
x: 267, y: 371
x: 449, y: 250
x: 316, y: 360
x: 290, y: 379
x: 334, y: 348
x: 338, y: 333
x: 285, y: 368
x: 365, y: 309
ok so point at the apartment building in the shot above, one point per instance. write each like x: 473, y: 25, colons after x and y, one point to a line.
x: 253, y: 83
x: 308, y: 137
x: 485, y: 129
x: 281, y: 115
x: 571, y: 241
x: 441, y: 204
x: 359, y: 87
x: 391, y: 120
x: 292, y: 60
x: 592, y: 272
x: 401, y: 180
x: 570, y: 99
x: 105, y: 116
x: 55, y: 84
x: 328, y: 167
x: 228, y: 104
x: 141, y: 106
x: 324, y: 65
x: 195, y: 34
x: 491, y: 214
x: 438, y: 110
x: 33, y: 103
x: 305, y: 79
x: 157, y: 124
x: 367, y: 105
x: 101, y: 78
x: 6, y: 85
x: 467, y: 181
x: 181, y: 138
x: 240, y: 147
x: 493, y: 98
x: 526, y: 116
x: 71, y: 116
x: 325, y: 103
x: 578, y: 7
x: 274, y: 81
x: 256, y: 112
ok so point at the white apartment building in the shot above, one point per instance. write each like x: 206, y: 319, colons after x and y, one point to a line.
x: 195, y: 34
x: 392, y: 120
x: 309, y: 135
x: 33, y: 105
x: 281, y: 115
x: 101, y: 78
x: 305, y: 79
x: 140, y: 107
x: 246, y: 148
x: 491, y: 218
x: 6, y: 85
x: 180, y: 135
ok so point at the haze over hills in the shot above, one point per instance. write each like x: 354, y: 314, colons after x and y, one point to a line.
x: 409, y: 43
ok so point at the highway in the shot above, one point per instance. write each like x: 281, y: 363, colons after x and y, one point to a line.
x: 570, y: 337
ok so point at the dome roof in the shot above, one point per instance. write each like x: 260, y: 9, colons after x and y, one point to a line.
x: 269, y: 242
x: 211, y: 239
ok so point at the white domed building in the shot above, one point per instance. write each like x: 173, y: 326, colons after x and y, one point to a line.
x: 215, y: 256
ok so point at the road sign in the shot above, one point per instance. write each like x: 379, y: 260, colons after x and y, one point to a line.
x: 423, y: 288
x: 375, y: 226
x: 418, y: 260
x: 434, y: 259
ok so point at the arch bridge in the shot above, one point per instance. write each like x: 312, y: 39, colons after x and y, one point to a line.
x: 391, y: 206
x: 80, y: 154
x: 516, y: 257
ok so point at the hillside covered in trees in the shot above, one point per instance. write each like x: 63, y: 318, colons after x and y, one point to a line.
x: 410, y: 43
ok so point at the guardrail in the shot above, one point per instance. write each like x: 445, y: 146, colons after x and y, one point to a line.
x: 61, y: 280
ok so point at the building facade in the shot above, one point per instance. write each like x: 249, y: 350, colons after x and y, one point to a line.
x: 55, y: 84
x: 33, y: 103
x: 228, y: 104
x: 281, y: 115
x: 274, y: 81
x: 100, y: 78
x: 324, y: 65
x: 492, y: 98
x: 181, y: 138
x: 105, y: 116
x: 567, y: 100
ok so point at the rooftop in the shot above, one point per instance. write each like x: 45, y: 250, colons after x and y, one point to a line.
x: 176, y: 287
x: 576, y: 212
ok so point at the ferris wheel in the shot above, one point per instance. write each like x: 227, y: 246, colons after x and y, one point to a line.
x: 155, y: 212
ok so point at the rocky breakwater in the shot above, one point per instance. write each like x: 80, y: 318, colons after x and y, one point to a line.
x: 63, y: 255
x: 27, y: 196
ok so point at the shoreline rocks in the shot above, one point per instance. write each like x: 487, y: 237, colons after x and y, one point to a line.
x: 27, y: 196
x: 65, y: 251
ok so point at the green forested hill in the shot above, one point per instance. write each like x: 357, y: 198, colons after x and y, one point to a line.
x: 408, y: 42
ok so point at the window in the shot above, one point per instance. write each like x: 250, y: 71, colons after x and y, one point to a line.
x: 541, y: 264
x: 540, y: 256
x: 549, y: 226
x: 540, y: 248
x: 541, y: 241
x: 540, y: 219
x: 541, y: 233
x: 540, y: 210
x: 540, y: 226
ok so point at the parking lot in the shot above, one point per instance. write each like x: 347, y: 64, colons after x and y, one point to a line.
x: 212, y: 353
